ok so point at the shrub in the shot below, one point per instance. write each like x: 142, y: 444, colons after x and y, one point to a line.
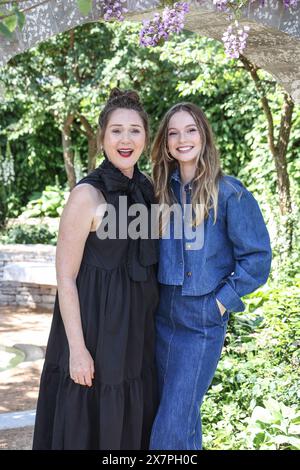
x: 28, y: 234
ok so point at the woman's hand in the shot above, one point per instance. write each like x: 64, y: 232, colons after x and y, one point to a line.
x: 81, y: 367
x: 221, y: 307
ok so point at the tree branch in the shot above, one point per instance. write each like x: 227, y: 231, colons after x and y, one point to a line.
x: 252, y: 69
x: 285, y: 124
x: 75, y: 64
x: 88, y: 128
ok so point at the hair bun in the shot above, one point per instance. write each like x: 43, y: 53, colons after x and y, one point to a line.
x: 117, y: 93
x: 133, y: 95
x: 114, y: 93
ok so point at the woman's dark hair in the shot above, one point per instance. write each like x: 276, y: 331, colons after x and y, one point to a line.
x: 127, y: 99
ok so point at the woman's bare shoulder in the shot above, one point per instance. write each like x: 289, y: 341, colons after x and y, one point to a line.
x: 86, y: 193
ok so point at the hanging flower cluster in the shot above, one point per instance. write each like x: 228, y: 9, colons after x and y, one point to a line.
x: 235, y: 39
x: 171, y: 20
x: 290, y: 3
x: 221, y: 5
x: 114, y: 10
x: 236, y: 35
x: 161, y: 26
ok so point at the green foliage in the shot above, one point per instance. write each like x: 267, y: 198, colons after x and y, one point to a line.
x: 258, y: 370
x: 85, y: 6
x: 11, y: 19
x: 48, y: 203
x: 3, y: 206
x: 42, y: 88
x: 274, y: 426
x: 26, y: 234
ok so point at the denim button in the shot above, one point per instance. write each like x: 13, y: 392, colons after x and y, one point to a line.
x: 189, y: 273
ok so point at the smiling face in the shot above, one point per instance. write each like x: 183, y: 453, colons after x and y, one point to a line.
x: 125, y: 138
x: 184, y: 141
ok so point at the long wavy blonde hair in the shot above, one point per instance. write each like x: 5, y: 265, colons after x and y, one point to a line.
x: 208, y: 168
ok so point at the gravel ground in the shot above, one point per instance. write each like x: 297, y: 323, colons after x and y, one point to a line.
x: 19, y: 385
x: 16, y: 439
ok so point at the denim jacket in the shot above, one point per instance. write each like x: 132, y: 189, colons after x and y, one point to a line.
x: 235, y: 258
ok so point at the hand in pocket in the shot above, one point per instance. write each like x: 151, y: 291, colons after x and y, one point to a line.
x: 221, y: 307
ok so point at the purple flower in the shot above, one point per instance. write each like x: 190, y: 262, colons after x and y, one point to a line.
x: 290, y: 3
x: 235, y: 37
x: 113, y: 10
x: 235, y: 40
x: 161, y: 26
x: 222, y: 5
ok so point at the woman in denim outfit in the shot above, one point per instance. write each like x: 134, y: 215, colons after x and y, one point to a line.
x: 202, y: 274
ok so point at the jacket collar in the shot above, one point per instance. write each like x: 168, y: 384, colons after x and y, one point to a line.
x: 175, y: 175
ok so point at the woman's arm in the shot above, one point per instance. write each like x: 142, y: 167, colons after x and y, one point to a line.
x: 251, y: 250
x: 75, y: 225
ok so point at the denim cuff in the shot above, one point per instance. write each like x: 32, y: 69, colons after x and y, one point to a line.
x: 230, y: 299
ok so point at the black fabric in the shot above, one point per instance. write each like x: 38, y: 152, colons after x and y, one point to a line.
x: 117, y: 315
x: 113, y: 183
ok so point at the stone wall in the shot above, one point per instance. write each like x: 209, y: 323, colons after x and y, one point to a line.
x: 36, y: 296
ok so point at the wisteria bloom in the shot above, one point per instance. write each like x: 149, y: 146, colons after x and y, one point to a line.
x: 235, y: 40
x: 158, y: 29
x: 290, y: 3
x: 161, y: 26
x: 221, y: 5
x: 114, y: 10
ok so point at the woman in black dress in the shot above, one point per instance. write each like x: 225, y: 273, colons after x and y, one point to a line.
x: 98, y: 385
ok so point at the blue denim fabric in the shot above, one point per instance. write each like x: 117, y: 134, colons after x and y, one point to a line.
x: 234, y: 260
x: 190, y: 332
x: 236, y: 256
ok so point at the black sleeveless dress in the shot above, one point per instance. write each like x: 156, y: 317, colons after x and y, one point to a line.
x: 118, y: 296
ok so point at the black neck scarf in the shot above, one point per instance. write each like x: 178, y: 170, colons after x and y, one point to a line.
x: 113, y: 183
